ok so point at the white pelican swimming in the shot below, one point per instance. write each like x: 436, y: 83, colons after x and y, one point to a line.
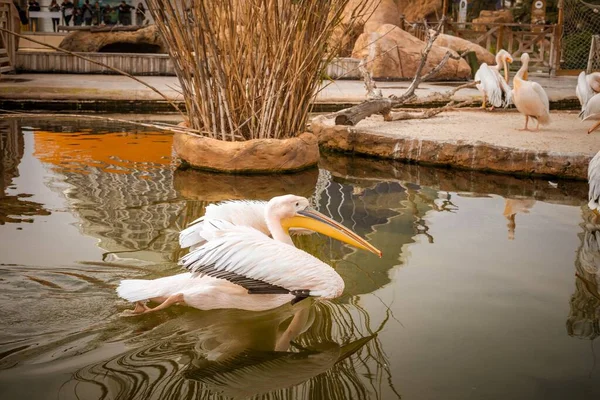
x: 587, y: 93
x: 493, y: 86
x: 529, y: 97
x: 234, y: 260
x: 594, y: 183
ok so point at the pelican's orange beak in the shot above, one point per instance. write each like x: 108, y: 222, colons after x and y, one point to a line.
x: 317, y: 222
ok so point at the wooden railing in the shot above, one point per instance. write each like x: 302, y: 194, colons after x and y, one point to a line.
x: 537, y: 40
x: 8, y: 42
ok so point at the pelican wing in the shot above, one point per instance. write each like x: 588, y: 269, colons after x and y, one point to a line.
x: 594, y: 182
x: 583, y: 90
x: 591, y: 109
x: 251, y: 259
x: 539, y: 90
x: 494, y: 86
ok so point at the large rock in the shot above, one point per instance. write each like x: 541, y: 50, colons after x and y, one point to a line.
x: 461, y: 45
x: 492, y: 17
x: 247, y: 157
x: 145, y: 40
x: 395, y: 53
x: 416, y: 10
x: 385, y: 13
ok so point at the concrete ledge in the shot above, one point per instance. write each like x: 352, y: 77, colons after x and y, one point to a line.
x: 57, y: 62
x: 135, y: 64
x: 470, y: 140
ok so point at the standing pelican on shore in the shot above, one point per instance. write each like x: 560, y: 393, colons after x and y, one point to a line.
x: 587, y: 93
x: 529, y: 97
x: 493, y: 86
x: 587, y: 87
x: 235, y: 260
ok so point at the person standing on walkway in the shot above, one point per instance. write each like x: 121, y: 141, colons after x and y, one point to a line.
x: 54, y: 7
x: 67, y: 8
x: 124, y: 13
x: 140, y: 14
x: 96, y: 13
x: 87, y: 12
x: 33, y: 7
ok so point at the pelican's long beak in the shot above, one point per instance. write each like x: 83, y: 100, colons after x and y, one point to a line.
x: 525, y: 75
x: 317, y: 222
x: 505, y: 62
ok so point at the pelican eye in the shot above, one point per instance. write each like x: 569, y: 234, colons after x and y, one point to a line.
x: 297, y: 204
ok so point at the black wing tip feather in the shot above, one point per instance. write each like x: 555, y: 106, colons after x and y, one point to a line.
x: 254, y: 286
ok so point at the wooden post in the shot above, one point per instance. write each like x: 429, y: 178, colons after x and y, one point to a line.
x: 500, y: 39
x: 444, y: 13
x: 558, y: 38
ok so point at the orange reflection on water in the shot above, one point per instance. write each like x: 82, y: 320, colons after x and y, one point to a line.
x: 113, y: 152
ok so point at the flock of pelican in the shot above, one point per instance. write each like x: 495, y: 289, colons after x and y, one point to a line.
x: 528, y: 97
x: 242, y: 256
x: 532, y: 101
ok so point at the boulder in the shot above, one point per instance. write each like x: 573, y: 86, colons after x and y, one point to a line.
x: 385, y: 13
x: 145, y: 40
x: 492, y: 17
x: 416, y: 10
x: 461, y: 45
x: 250, y: 156
x: 396, y: 54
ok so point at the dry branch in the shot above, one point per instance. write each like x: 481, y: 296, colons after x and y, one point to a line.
x: 377, y: 105
x: 403, y: 115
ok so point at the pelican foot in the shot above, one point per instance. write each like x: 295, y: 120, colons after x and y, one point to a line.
x: 140, y: 308
x: 524, y: 129
x: 492, y: 108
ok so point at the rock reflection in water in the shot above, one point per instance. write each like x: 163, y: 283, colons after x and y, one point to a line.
x: 584, y: 318
x: 13, y: 208
x: 311, y: 350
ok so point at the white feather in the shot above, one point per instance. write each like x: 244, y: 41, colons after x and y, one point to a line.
x: 201, y: 292
x: 239, y: 212
x: 591, y: 111
x: 492, y: 84
x: 246, y: 251
x: 583, y: 90
x: 594, y: 182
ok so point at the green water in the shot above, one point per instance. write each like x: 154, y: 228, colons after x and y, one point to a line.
x: 475, y: 297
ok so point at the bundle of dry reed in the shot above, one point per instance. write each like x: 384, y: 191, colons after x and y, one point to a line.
x: 249, y: 69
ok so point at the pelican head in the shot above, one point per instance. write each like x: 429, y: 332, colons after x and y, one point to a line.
x: 294, y: 212
x: 524, y: 64
x: 505, y: 58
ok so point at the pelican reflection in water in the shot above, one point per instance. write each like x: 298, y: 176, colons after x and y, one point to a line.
x: 511, y: 208
x: 309, y: 350
x: 584, y: 317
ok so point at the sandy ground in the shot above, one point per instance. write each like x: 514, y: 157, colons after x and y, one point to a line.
x: 565, y: 134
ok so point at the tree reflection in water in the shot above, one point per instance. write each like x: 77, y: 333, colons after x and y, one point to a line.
x: 13, y: 209
x: 313, y: 350
x: 584, y: 318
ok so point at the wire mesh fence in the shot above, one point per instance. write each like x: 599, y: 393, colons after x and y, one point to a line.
x: 581, y: 23
x: 593, y: 63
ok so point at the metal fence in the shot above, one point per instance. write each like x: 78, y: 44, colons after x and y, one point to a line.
x: 581, y: 22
